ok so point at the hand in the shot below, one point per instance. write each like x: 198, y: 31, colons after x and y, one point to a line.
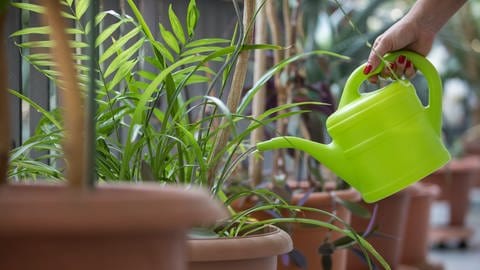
x: 405, y: 34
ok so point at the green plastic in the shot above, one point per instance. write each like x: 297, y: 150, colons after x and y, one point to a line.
x: 382, y: 141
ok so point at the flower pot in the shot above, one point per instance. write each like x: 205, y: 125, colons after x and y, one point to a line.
x: 455, y: 181
x: 308, y: 239
x: 416, y: 243
x: 122, y: 226
x: 390, y: 228
x: 254, y: 252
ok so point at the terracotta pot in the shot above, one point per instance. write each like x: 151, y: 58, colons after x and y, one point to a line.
x: 255, y: 252
x: 416, y: 243
x: 390, y: 225
x: 455, y: 181
x: 118, y: 227
x: 308, y: 239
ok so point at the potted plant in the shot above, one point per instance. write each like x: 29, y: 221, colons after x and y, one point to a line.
x: 306, y: 239
x: 77, y: 226
x: 312, y: 79
x: 170, y: 137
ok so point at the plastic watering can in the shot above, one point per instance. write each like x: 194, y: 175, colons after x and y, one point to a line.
x: 384, y: 140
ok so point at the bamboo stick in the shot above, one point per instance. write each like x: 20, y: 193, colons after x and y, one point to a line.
x: 4, y: 109
x: 71, y: 97
x: 238, y: 80
x: 275, y: 32
x: 258, y: 104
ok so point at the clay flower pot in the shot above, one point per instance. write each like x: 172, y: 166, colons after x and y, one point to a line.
x: 78, y: 226
x: 455, y: 180
x: 416, y: 243
x: 112, y: 227
x: 307, y: 240
x: 254, y: 252
x: 390, y: 228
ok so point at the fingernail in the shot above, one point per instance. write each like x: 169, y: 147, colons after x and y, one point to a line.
x: 401, y: 59
x: 393, y: 65
x: 367, y: 69
x: 408, y: 64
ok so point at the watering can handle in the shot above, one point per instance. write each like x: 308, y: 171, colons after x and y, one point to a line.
x: 434, y: 107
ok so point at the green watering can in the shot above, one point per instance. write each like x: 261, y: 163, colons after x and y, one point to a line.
x: 384, y: 140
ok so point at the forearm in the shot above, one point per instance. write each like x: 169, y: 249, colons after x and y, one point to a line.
x: 431, y: 15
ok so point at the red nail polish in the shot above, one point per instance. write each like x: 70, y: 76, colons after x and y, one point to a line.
x: 367, y: 69
x: 401, y: 59
x: 408, y: 64
x: 393, y: 65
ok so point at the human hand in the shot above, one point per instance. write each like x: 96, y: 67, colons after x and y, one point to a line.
x: 405, y: 34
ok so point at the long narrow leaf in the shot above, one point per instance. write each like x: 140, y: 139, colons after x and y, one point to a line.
x: 37, y: 107
x: 81, y: 7
x: 206, y: 42
x: 277, y: 68
x: 170, y: 39
x: 176, y: 25
x: 123, y: 57
x: 118, y: 44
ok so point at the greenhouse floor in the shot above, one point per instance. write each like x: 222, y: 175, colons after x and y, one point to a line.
x: 457, y: 258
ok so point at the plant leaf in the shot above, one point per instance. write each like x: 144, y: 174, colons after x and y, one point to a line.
x: 192, y: 17
x: 207, y: 41
x: 37, y: 107
x: 106, y: 33
x: 169, y: 38
x: 353, y: 207
x: 118, y: 44
x: 275, y: 69
x: 81, y: 7
x: 123, y: 57
x: 176, y: 25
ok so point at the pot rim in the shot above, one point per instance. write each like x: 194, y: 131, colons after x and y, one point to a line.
x: 271, y: 243
x: 39, y: 208
x: 349, y: 194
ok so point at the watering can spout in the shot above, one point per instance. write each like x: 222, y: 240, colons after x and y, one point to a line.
x: 329, y: 155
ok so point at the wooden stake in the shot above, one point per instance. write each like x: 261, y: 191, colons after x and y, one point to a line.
x: 255, y: 167
x: 71, y: 97
x: 238, y: 80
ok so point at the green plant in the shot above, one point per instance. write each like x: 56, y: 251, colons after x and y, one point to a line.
x: 147, y: 126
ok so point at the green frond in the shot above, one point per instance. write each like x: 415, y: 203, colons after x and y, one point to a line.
x: 177, y: 27
x: 123, y: 57
x: 117, y: 45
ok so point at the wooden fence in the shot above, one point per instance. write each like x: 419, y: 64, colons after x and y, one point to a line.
x: 217, y: 18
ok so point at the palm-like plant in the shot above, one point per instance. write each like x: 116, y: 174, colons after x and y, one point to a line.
x: 147, y: 127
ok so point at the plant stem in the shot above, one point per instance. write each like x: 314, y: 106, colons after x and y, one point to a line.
x: 92, y: 86
x: 4, y: 111
x: 259, y: 100
x: 71, y: 97
x: 236, y: 89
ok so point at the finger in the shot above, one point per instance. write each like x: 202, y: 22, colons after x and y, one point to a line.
x: 379, y: 49
x: 373, y: 79
x: 387, y: 72
x: 400, y: 62
x: 409, y: 70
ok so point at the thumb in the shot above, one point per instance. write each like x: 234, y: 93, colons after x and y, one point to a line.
x: 379, y: 49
